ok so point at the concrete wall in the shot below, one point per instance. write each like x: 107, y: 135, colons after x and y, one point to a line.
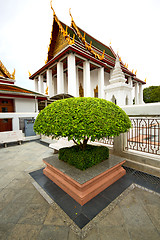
x: 148, y: 109
x: 26, y: 105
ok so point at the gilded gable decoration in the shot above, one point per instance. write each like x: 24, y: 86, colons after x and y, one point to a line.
x: 4, y: 71
x: 87, y: 46
x: 62, y: 30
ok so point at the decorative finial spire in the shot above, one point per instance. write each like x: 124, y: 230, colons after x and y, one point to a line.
x: 29, y: 73
x: 145, y: 80
x: 135, y: 72
x: 70, y: 15
x: 13, y: 74
x: 52, y: 8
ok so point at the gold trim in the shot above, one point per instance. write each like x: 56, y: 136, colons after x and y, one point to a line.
x: 29, y: 73
x: 46, y: 91
x: 4, y: 69
x: 87, y: 46
x: 13, y: 74
x: 62, y: 30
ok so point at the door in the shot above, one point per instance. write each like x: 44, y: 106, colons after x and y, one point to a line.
x: 6, y: 105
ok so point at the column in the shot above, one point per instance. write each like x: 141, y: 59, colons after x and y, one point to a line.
x: 49, y: 83
x: 140, y: 94
x: 101, y: 82
x: 77, y: 82
x: 130, y: 82
x: 86, y: 79
x: 36, y: 84
x: 136, y: 93
x: 71, y: 74
x: 60, y: 78
x: 65, y: 83
x: 15, y: 123
x: 41, y: 87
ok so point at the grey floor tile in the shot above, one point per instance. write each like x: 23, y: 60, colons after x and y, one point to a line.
x: 5, y: 230
x: 34, y: 214
x: 25, y: 232
x: 53, y: 233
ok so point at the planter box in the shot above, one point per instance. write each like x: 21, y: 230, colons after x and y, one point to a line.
x: 84, y: 185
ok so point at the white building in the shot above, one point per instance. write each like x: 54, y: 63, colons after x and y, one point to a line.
x: 80, y: 65
x: 16, y: 103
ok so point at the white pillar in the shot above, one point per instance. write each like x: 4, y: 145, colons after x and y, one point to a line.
x: 77, y: 82
x: 130, y: 82
x: 86, y: 79
x: 60, y: 78
x: 101, y: 82
x: 136, y: 93
x: 65, y: 83
x: 71, y: 74
x: 140, y: 94
x: 15, y: 123
x: 41, y: 87
x: 36, y: 84
x: 49, y: 83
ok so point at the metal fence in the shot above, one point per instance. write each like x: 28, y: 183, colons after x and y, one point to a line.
x: 144, y: 135
x: 108, y: 141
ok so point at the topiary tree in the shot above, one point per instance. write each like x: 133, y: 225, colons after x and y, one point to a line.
x: 82, y: 118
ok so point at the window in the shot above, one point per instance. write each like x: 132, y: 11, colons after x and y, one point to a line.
x: 4, y: 102
x: 4, y: 109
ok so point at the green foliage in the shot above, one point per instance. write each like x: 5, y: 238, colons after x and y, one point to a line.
x: 81, y: 119
x: 84, y: 159
x: 151, y: 94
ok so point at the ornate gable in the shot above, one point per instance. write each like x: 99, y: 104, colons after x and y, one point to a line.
x: 4, y: 72
x: 57, y: 41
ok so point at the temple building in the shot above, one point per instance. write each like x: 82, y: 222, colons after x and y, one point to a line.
x: 16, y: 103
x: 80, y: 65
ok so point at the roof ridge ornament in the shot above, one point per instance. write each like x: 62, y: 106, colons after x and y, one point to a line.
x: 87, y: 46
x: 62, y: 30
x: 6, y: 72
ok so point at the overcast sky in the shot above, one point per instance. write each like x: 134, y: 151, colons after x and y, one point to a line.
x: 132, y: 27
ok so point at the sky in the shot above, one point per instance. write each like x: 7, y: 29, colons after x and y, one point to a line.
x: 132, y: 27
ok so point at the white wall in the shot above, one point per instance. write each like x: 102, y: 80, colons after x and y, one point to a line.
x: 26, y: 105
x: 150, y: 109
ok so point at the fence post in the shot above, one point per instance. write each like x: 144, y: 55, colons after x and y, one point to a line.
x: 120, y: 143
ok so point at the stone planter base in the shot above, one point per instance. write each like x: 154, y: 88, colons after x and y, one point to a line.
x: 83, y: 192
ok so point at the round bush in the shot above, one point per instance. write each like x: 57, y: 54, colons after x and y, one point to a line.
x: 92, y: 155
x: 82, y: 119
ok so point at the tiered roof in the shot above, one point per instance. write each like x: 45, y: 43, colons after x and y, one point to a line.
x: 9, y: 89
x: 65, y: 39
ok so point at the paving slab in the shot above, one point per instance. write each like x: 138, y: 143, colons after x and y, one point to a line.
x: 132, y: 214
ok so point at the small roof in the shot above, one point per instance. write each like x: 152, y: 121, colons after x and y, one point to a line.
x: 5, y: 73
x: 16, y: 90
x: 61, y: 96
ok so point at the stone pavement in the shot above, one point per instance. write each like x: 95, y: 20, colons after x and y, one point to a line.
x: 26, y: 214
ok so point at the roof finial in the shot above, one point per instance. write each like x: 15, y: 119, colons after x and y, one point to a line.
x: 52, y: 8
x: 70, y: 15
x: 145, y: 80
x: 29, y: 73
x: 13, y: 74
